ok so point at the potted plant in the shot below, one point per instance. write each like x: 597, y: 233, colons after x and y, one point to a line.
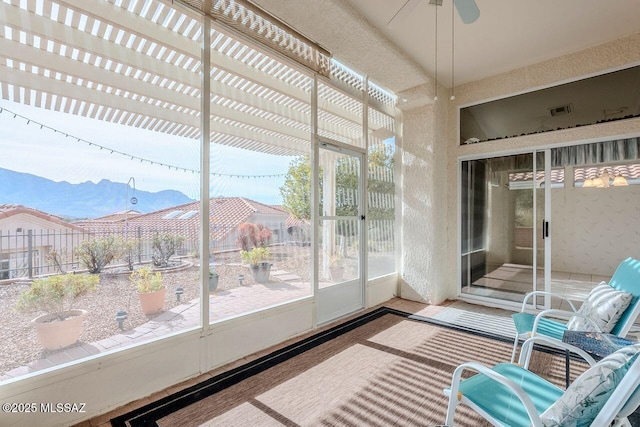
x: 213, y: 279
x: 56, y: 295
x: 336, y: 267
x: 151, y: 289
x: 257, y: 260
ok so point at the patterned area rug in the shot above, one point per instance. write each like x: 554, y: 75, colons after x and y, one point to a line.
x: 385, y: 368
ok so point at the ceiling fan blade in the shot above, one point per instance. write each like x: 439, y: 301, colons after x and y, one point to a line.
x: 403, y: 13
x: 468, y: 10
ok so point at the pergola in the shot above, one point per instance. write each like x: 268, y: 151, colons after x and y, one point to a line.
x: 138, y: 63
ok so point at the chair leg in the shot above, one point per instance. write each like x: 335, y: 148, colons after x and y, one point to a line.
x: 451, y: 410
x: 515, y: 349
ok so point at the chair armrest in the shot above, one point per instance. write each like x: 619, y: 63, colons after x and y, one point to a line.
x: 527, y: 348
x: 488, y: 372
x: 563, y: 314
x: 534, y: 293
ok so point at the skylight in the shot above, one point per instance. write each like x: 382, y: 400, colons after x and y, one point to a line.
x: 172, y: 215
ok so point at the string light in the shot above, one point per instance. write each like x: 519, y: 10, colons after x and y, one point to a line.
x: 132, y: 157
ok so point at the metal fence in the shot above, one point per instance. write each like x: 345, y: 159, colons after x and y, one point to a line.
x: 32, y: 253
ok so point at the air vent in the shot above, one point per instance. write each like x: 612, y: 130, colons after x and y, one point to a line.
x: 560, y: 111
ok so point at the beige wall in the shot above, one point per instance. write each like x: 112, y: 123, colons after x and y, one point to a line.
x: 424, y: 186
x: 594, y: 228
x: 430, y: 155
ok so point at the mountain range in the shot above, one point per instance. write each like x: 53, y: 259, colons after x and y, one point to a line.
x: 84, y: 200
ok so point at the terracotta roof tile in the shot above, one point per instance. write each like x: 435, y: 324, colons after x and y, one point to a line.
x: 225, y: 213
x: 8, y: 210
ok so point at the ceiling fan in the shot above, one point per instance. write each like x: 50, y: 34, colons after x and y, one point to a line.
x: 467, y: 9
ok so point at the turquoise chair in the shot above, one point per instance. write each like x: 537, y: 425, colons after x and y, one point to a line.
x: 626, y: 278
x: 510, y: 395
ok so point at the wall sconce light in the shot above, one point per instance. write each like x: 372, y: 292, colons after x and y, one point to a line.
x: 598, y: 182
x: 619, y: 180
x: 179, y: 291
x: 240, y: 278
x: 604, y: 180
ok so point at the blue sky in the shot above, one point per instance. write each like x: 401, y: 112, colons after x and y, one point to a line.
x: 28, y: 148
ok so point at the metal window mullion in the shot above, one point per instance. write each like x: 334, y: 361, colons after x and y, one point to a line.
x: 205, y: 153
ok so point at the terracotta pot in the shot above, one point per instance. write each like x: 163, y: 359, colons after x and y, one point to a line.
x: 152, y: 302
x: 56, y: 334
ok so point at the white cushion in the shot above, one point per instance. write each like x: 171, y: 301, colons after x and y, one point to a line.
x: 601, y: 310
x: 587, y: 395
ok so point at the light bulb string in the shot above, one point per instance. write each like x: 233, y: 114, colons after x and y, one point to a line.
x: 131, y: 156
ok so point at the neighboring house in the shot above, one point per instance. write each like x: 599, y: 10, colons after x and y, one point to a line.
x: 225, y: 214
x: 27, y: 237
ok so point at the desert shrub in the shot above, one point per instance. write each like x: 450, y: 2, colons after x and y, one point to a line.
x: 255, y: 256
x: 164, y: 246
x: 144, y: 280
x: 253, y: 236
x: 246, y: 236
x: 95, y: 254
x: 131, y: 252
x: 57, y: 294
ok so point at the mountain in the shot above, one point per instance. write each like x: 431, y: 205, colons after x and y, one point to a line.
x: 84, y: 200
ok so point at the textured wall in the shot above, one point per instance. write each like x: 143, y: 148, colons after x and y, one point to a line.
x: 594, y: 229
x: 424, y: 219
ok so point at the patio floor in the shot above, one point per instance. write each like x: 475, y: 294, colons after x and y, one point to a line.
x: 222, y: 305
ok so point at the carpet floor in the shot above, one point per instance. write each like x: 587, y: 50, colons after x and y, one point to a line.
x: 384, y: 368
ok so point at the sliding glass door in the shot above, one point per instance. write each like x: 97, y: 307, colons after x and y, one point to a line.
x: 595, y: 213
x: 504, y: 226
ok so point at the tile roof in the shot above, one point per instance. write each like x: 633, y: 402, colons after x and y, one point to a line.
x: 8, y: 210
x: 225, y: 213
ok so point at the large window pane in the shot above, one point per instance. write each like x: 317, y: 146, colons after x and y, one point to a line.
x: 100, y: 163
x: 381, y: 194
x: 260, y: 179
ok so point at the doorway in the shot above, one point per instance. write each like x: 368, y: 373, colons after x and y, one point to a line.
x: 341, y: 238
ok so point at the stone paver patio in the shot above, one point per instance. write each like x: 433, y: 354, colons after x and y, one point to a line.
x: 223, y: 304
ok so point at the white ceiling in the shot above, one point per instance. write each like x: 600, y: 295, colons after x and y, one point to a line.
x: 509, y: 34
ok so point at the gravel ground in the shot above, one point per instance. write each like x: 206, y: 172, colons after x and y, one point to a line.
x: 19, y: 342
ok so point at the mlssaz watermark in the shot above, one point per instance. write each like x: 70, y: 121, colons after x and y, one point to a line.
x: 44, y: 408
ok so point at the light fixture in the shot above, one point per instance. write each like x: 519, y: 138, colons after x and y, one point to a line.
x: 605, y: 178
x: 121, y: 316
x: 597, y: 182
x: 619, y: 180
x: 179, y: 291
x: 588, y: 183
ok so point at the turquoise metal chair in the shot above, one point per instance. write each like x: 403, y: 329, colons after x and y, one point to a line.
x: 626, y: 278
x: 510, y: 395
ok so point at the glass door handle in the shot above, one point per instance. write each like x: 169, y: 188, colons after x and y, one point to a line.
x: 545, y: 229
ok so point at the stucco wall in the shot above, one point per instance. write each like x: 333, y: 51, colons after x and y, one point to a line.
x: 424, y: 186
